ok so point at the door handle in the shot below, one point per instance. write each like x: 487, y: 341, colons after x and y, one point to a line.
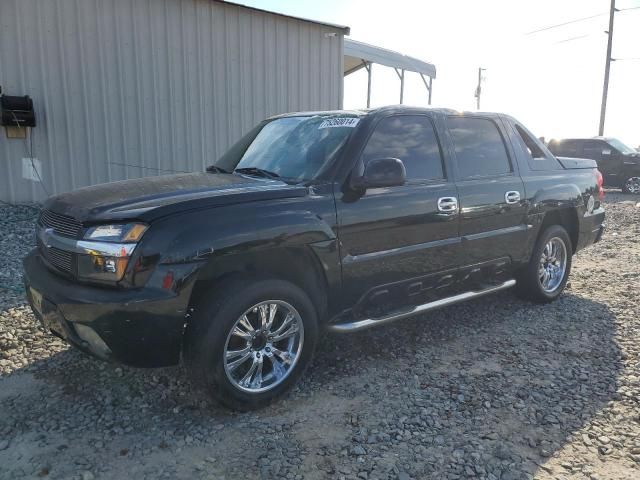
x: 512, y: 197
x: 448, y: 205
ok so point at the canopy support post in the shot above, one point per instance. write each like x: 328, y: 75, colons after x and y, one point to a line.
x: 368, y: 66
x: 400, y: 74
x: 428, y: 84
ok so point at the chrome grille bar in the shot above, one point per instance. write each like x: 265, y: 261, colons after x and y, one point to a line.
x: 50, y: 239
x: 61, y: 224
x: 60, y: 259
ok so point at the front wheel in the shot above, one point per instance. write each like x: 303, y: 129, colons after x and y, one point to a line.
x: 250, y: 343
x: 545, y: 276
x: 631, y: 185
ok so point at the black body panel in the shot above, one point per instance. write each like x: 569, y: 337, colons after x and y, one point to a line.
x: 140, y: 327
x: 381, y: 245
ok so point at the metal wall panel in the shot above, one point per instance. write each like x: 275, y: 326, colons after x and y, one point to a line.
x: 129, y: 88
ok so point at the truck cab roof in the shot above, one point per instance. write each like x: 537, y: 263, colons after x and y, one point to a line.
x: 389, y: 109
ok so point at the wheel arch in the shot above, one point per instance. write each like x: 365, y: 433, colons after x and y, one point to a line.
x: 297, y: 265
x: 566, y: 218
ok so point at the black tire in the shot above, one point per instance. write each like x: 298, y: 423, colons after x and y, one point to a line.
x: 529, y: 285
x: 211, y: 324
x: 631, y: 185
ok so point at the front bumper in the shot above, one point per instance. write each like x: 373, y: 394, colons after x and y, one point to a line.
x: 137, y: 327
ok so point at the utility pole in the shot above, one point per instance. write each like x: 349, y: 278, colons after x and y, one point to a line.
x: 479, y: 87
x: 607, y: 65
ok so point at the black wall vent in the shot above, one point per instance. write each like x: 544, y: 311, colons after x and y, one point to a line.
x: 17, y: 111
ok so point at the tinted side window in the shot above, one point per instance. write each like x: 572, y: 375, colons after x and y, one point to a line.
x: 410, y: 138
x: 593, y: 149
x: 529, y: 143
x: 479, y: 147
x: 537, y: 155
x: 565, y: 148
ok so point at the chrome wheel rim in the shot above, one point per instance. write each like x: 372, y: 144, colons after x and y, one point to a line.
x: 633, y: 185
x: 263, y: 346
x: 553, y: 265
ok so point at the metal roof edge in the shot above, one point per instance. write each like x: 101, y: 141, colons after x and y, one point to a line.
x: 389, y: 58
x: 345, y: 29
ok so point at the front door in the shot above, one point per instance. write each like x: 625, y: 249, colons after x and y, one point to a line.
x: 609, y: 161
x: 492, y: 199
x: 397, y: 245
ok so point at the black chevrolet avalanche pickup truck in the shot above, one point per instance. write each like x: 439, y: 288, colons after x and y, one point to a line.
x: 336, y: 221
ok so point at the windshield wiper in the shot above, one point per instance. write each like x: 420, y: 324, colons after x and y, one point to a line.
x: 257, y: 171
x: 214, y: 169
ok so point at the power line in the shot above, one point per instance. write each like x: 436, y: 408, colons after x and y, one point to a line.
x: 582, y: 19
x: 565, y: 23
x: 29, y: 148
x: 571, y: 39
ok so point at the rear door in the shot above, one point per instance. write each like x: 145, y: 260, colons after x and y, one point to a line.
x: 491, y: 196
x: 397, y: 245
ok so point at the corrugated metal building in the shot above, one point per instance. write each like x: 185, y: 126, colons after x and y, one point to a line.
x: 128, y: 88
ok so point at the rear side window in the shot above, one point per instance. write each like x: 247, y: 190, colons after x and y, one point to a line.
x: 479, y: 147
x: 537, y: 156
x: 410, y: 138
x: 565, y: 148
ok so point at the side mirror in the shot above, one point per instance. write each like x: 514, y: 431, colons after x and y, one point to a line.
x: 382, y: 172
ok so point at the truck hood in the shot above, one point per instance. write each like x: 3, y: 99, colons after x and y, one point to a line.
x: 149, y: 198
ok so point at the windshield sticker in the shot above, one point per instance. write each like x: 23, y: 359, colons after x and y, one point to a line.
x: 349, y: 122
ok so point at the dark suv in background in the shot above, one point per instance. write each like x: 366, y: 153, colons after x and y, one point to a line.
x: 619, y: 164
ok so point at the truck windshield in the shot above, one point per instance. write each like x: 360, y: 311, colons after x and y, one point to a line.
x: 292, y: 148
x: 621, y: 147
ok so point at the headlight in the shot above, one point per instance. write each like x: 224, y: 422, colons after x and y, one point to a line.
x: 106, y: 250
x: 127, y: 232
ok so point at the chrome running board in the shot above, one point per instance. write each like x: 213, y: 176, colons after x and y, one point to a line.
x: 357, y: 325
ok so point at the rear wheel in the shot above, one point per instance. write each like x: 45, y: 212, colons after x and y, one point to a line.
x: 631, y: 185
x: 250, y: 343
x: 546, y: 274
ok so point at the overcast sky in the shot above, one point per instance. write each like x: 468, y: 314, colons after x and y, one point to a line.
x: 551, y: 80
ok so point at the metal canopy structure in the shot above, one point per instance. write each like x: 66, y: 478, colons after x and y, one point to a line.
x: 359, y: 55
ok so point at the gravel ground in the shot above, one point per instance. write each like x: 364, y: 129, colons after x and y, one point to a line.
x: 495, y: 389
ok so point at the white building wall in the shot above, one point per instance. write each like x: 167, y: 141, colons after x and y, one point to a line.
x: 158, y: 85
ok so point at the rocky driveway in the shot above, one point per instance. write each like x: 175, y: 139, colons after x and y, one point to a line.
x: 493, y: 389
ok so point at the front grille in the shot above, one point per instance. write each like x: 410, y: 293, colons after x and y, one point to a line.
x: 61, y: 224
x: 60, y: 259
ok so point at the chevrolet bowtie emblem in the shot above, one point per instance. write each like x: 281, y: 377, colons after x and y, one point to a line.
x: 48, y: 231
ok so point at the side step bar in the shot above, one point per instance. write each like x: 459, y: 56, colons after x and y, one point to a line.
x: 358, y: 325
